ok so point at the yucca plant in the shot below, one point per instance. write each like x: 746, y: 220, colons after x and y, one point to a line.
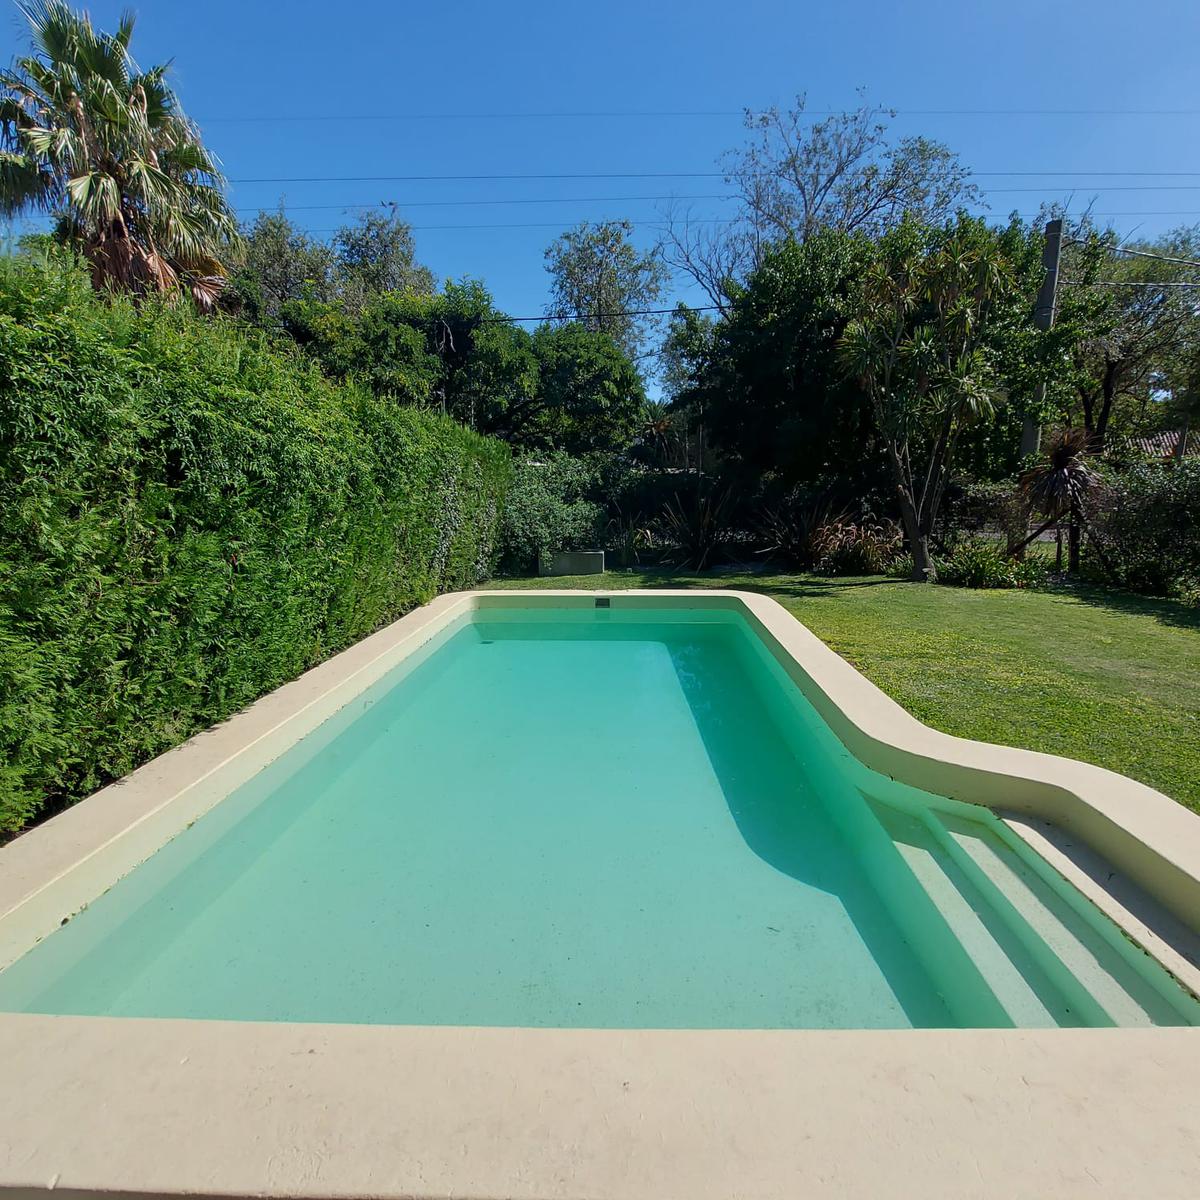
x: 89, y: 138
x: 788, y: 530
x: 629, y: 537
x: 695, y: 527
x: 1059, y: 487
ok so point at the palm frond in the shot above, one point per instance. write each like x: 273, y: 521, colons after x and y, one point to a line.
x: 84, y: 132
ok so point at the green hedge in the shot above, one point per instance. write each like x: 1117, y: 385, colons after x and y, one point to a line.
x: 188, y: 518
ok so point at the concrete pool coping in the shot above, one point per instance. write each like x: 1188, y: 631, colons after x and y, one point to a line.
x: 133, y: 1106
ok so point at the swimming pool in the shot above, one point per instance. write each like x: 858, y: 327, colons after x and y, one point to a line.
x: 615, y: 816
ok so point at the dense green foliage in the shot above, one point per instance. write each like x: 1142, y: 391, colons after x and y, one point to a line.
x: 983, y: 564
x: 368, y: 258
x: 564, y: 387
x: 189, y: 517
x: 1150, y: 527
x: 549, y: 509
x: 775, y: 399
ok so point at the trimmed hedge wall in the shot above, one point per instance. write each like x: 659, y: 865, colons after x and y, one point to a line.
x: 190, y: 517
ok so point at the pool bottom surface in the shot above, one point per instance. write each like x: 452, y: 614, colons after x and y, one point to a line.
x: 545, y: 823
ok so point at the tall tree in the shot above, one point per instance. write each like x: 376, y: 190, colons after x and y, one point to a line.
x: 778, y: 403
x: 281, y: 263
x: 793, y: 177
x: 590, y: 396
x: 599, y: 277
x: 104, y: 147
x: 376, y: 254
x: 923, y: 348
x: 1133, y: 333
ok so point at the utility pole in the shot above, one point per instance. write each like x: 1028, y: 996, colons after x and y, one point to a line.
x: 1043, y: 318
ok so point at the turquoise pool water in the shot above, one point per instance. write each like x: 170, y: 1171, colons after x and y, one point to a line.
x: 606, y: 818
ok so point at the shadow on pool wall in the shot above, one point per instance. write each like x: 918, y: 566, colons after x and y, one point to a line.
x: 776, y: 801
x: 800, y: 784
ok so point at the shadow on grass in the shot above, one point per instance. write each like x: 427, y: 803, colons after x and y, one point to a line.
x: 750, y: 578
x: 1166, y: 612
x: 808, y: 587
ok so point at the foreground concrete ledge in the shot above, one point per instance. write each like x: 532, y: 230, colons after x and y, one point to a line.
x: 116, y: 1106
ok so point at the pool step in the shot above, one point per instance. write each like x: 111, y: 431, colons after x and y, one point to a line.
x: 1047, y: 955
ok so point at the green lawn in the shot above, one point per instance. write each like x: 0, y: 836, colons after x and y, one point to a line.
x: 1109, y: 678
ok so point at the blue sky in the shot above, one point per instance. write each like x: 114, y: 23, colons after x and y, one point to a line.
x: 376, y: 73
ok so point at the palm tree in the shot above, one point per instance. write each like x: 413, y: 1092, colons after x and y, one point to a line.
x: 104, y: 147
x: 1059, y: 486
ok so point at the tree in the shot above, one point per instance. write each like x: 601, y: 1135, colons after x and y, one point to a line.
x: 599, y: 277
x: 794, y: 177
x: 590, y: 397
x: 687, y: 371
x: 367, y: 259
x: 1060, y: 485
x: 384, y: 353
x: 923, y: 349
x: 1133, y: 334
x: 375, y: 255
x: 105, y: 148
x: 777, y: 401
x: 1183, y: 407
x: 281, y: 264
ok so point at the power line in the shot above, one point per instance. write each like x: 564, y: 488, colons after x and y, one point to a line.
x: 1155, y: 283
x: 459, y: 203
x: 1105, y: 187
x: 479, y: 178
x: 483, y: 178
x: 1074, y: 174
x: 1186, y: 262
x: 641, y: 223
x: 287, y: 209
x: 601, y: 316
x: 543, y: 225
x: 644, y: 114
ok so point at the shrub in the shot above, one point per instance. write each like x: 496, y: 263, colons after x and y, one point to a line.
x: 843, y: 546
x: 1150, y: 526
x: 792, y: 529
x: 1188, y: 591
x: 189, y: 518
x: 982, y: 564
x: 548, y: 509
x: 695, y: 525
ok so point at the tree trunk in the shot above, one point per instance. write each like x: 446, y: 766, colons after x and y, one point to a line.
x: 1108, y: 394
x: 923, y: 570
x: 1073, y: 541
x: 1031, y: 435
x: 918, y: 538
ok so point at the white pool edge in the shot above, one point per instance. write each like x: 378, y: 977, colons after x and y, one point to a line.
x: 240, y: 1108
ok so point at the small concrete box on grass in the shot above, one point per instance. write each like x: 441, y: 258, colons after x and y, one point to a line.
x: 572, y: 562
